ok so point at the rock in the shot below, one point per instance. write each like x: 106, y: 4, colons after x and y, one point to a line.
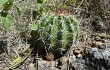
x: 63, y: 60
x: 79, y: 66
x: 93, y: 50
x: 96, y: 44
x: 31, y: 66
x: 78, y: 49
x: 103, y: 46
x: 100, y: 53
x: 46, y: 65
x: 104, y: 35
x: 49, y: 56
x: 106, y: 53
x: 79, y: 55
x: 97, y: 38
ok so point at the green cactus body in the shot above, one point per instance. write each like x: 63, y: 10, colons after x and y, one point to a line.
x: 57, y: 30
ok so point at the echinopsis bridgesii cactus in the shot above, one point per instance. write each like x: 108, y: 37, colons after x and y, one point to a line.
x: 56, y: 30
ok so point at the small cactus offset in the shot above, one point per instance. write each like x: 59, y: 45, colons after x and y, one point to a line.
x: 57, y: 30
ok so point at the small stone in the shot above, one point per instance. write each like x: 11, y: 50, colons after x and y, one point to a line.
x: 79, y: 55
x: 103, y: 46
x: 77, y: 51
x: 31, y: 66
x: 104, y: 35
x: 98, y: 55
x: 96, y: 44
x: 97, y: 38
x: 63, y: 60
x: 94, y: 50
x: 49, y: 56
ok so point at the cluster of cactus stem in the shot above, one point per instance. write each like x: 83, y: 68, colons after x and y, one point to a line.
x: 57, y: 30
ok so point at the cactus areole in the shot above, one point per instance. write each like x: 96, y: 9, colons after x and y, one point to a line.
x: 57, y: 31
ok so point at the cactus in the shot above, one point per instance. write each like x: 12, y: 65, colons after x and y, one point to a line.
x: 57, y: 30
